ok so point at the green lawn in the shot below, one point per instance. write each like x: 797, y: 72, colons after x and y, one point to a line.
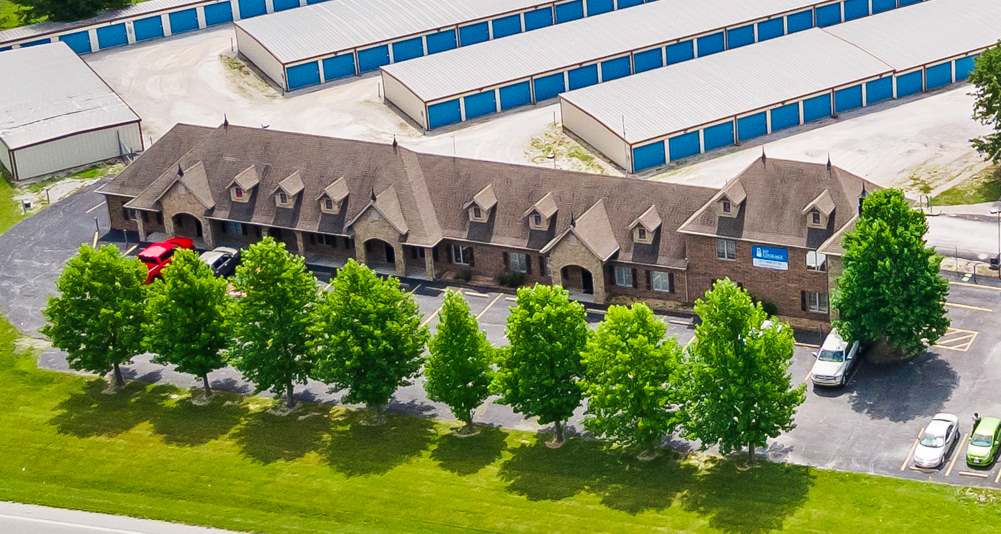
x: 985, y: 187
x: 10, y: 212
x: 147, y: 452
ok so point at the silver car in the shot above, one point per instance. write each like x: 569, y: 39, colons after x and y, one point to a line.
x: 936, y: 440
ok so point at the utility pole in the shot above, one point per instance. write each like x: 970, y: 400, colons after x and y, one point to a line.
x: 997, y: 212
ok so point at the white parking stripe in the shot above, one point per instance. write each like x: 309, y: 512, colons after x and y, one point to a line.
x: 91, y: 210
x: 972, y: 474
x: 907, y: 460
x: 955, y: 455
x: 492, y: 302
x: 131, y: 249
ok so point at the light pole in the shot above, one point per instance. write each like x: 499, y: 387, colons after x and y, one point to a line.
x: 997, y: 212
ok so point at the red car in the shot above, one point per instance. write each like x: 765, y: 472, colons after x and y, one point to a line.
x: 158, y: 255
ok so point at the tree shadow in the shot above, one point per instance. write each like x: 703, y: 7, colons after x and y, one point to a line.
x: 752, y: 501
x: 92, y: 411
x: 183, y: 422
x: 358, y: 449
x: 904, y: 391
x: 465, y: 456
x: 269, y: 438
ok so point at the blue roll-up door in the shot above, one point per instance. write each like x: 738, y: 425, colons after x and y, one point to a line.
x: 683, y: 146
x: 879, y: 6
x: 717, y: 136
x: 514, y: 95
x: 771, y: 29
x: 220, y: 13
x: 474, y: 33
x: 648, y: 59
x: 630, y: 3
x: 408, y: 49
x: 742, y: 36
x: 183, y: 21
x: 39, y: 42
x: 252, y: 8
x: 569, y: 11
x: 828, y: 15
x: 441, y: 41
x: 938, y: 76
x: 909, y: 2
x: 303, y: 75
x: 311, y: 2
x: 372, y: 58
x: 79, y: 42
x: 909, y: 84
x: 5, y: 48
x: 784, y: 117
x: 339, y: 67
x: 798, y: 22
x: 752, y: 126
x: 964, y: 66
x: 615, y: 68
x: 582, y: 77
x: 816, y: 108
x: 480, y: 105
x: 111, y: 36
x: 856, y: 9
x: 648, y: 156
x: 282, y: 5
x: 505, y: 26
x: 538, y: 18
x: 597, y: 7
x: 878, y: 90
x: 148, y: 28
x: 848, y: 98
x: 679, y: 52
x: 548, y: 87
x: 444, y: 113
x: 711, y: 44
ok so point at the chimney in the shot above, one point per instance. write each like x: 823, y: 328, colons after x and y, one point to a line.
x: 225, y: 122
x: 861, y: 199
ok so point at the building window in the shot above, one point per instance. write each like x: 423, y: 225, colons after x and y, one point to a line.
x: 329, y: 240
x: 726, y: 249
x: 623, y: 276
x: 238, y: 192
x: 518, y: 262
x: 537, y: 219
x: 477, y: 212
x: 816, y: 261
x: 131, y: 214
x: 660, y: 281
x: 282, y: 197
x: 462, y: 255
x: 232, y: 228
x: 641, y: 233
x: 815, y: 217
x: 815, y: 302
x: 328, y: 204
x: 727, y: 208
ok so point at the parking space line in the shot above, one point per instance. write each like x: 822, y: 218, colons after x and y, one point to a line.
x: 131, y: 249
x: 968, y: 307
x: 957, y: 339
x: 997, y: 479
x: 679, y: 322
x: 972, y: 474
x: 94, y: 243
x: 429, y: 317
x: 924, y: 470
x: 511, y: 299
x: 910, y: 453
x: 955, y: 455
x: 491, y: 305
x: 91, y: 210
x: 472, y: 293
x: 978, y: 286
x: 414, y: 290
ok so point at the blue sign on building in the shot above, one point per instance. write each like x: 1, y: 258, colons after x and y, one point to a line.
x: 770, y: 257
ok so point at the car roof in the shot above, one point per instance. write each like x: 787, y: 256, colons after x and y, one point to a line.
x: 834, y: 341
x: 946, y: 417
x: 155, y: 250
x: 938, y: 426
x: 225, y: 250
x: 988, y: 424
x: 211, y: 256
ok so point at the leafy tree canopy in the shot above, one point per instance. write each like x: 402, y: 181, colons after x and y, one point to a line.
x: 986, y: 80
x: 66, y: 10
x: 891, y: 289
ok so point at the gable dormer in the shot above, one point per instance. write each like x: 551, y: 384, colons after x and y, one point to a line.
x: 288, y: 190
x: 541, y: 213
x: 818, y: 212
x: 730, y: 199
x: 332, y: 197
x: 243, y: 184
x: 644, y: 226
x: 479, y: 208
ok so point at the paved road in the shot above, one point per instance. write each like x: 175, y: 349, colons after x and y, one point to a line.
x: 972, y: 237
x: 30, y: 519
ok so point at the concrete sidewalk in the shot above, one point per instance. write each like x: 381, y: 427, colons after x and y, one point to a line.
x: 32, y: 519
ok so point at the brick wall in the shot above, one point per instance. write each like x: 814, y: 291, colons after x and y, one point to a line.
x: 643, y: 284
x: 116, y: 213
x: 488, y: 262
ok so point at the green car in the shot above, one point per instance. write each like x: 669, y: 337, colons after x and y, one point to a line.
x: 983, y: 446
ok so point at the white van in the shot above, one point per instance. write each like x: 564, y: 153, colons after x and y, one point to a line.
x: 835, y: 361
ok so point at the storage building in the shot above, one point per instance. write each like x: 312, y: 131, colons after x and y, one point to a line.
x: 141, y: 22
x: 536, y: 66
x: 57, y: 114
x: 344, y: 38
x: 649, y: 119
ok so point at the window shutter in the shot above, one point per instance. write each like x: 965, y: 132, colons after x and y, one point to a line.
x: 649, y: 284
x: 434, y: 254
x: 670, y: 282
x: 542, y: 266
x: 610, y: 274
x: 507, y: 261
x: 451, y: 254
x: 528, y: 264
x: 472, y: 262
x: 802, y: 300
x: 636, y: 283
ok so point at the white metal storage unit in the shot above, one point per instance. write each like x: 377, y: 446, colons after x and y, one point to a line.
x: 57, y: 114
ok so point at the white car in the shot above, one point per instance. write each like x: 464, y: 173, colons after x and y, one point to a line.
x: 936, y: 440
x: 835, y: 361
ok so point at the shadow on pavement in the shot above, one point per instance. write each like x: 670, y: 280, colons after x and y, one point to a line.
x: 904, y: 391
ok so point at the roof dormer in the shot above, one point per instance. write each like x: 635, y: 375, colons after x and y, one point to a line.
x: 332, y: 197
x: 818, y: 212
x: 288, y: 189
x: 644, y: 226
x: 479, y: 208
x: 541, y: 213
x: 243, y: 184
x: 730, y: 199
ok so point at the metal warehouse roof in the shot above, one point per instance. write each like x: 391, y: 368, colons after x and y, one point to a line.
x: 935, y: 30
x: 50, y: 93
x: 689, y: 94
x: 581, y: 41
x: 45, y: 28
x: 338, y: 25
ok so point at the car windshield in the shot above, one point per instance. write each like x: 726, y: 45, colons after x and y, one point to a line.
x: 831, y: 356
x: 981, y: 440
x: 929, y: 439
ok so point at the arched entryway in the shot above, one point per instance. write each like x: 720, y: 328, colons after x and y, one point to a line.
x: 379, y: 252
x: 577, y: 279
x: 187, y: 225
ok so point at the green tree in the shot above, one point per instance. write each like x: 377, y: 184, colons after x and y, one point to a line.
x: 458, y: 368
x: 185, y: 317
x: 97, y: 316
x: 986, y: 80
x: 736, y: 386
x: 268, y: 323
x: 631, y: 379
x: 65, y: 10
x: 367, y: 336
x: 890, y: 291
x: 538, y: 373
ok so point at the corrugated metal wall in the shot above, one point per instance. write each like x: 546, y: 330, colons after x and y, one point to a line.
x: 77, y: 150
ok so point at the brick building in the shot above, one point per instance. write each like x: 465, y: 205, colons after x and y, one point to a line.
x: 440, y: 217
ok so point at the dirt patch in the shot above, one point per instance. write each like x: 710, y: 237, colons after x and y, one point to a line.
x: 985, y: 186
x: 557, y: 148
x: 244, y: 79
